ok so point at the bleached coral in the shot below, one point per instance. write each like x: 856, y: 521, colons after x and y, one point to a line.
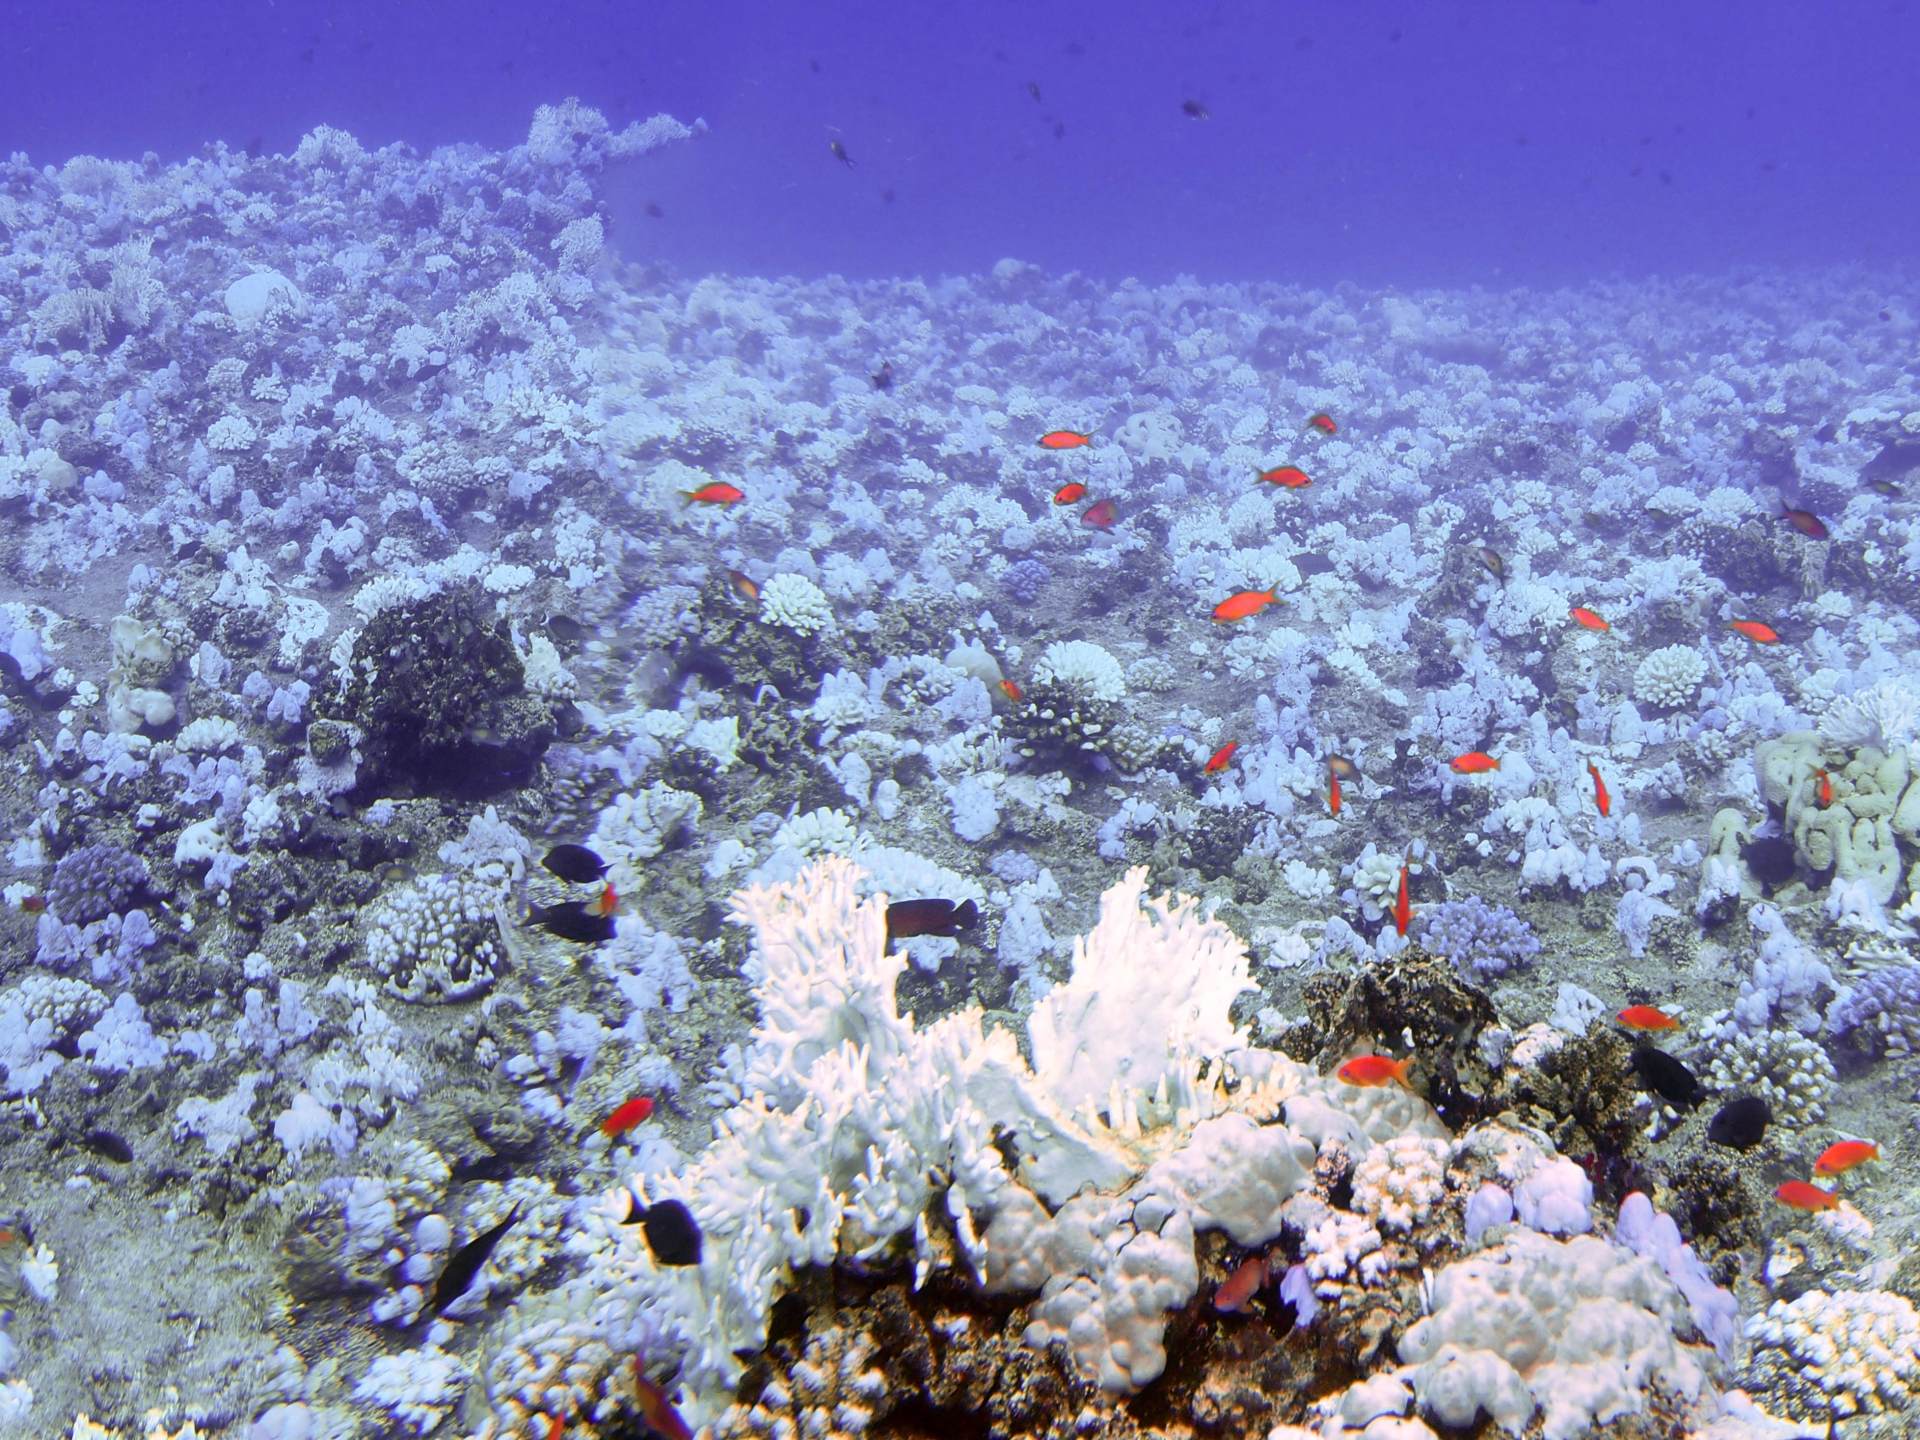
x: 438, y: 938
x: 1084, y: 666
x: 1398, y: 1183
x: 1669, y: 677
x: 1828, y: 1355
x: 795, y: 603
x: 1885, y: 715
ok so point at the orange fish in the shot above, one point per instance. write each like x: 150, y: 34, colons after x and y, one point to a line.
x: 625, y: 1116
x: 1805, y: 521
x: 1012, y: 691
x: 1823, y: 789
x: 1221, y: 758
x: 656, y: 1410
x: 1064, y: 440
x: 1645, y: 1017
x: 1333, y: 792
x: 1343, y: 767
x: 1239, y: 1287
x: 1069, y: 494
x: 1805, y: 1195
x: 1586, y: 617
x: 1840, y: 1158
x: 1375, y: 1070
x: 556, y: 1427
x: 716, y: 492
x: 1474, y: 762
x: 1322, y: 422
x: 743, y: 585
x: 1243, y: 604
x: 1101, y: 515
x: 605, y: 903
x: 1291, y: 476
x: 1402, y: 905
x: 1757, y: 631
x: 1600, y: 796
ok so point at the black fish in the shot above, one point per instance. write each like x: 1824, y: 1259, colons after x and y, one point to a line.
x: 1740, y: 1124
x: 105, y: 1142
x: 1770, y: 858
x: 575, y: 864
x: 1493, y: 561
x: 1033, y: 89
x: 907, y: 918
x: 466, y: 1262
x: 840, y: 153
x: 673, y: 1235
x: 1194, y: 110
x: 572, y: 920
x: 883, y: 377
x: 567, y: 628
x: 1665, y: 1076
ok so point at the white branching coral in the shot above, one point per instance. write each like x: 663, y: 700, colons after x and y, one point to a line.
x: 1829, y: 1355
x: 1086, y: 667
x: 1397, y: 1184
x: 438, y: 938
x: 795, y: 603
x: 1885, y: 716
x: 1669, y: 676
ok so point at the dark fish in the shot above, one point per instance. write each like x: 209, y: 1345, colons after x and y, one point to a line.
x: 572, y: 920
x: 575, y: 864
x: 1883, y: 486
x: 840, y: 153
x: 1194, y: 110
x: 654, y: 212
x: 105, y: 1142
x: 1033, y: 89
x: 673, y: 1235
x: 1805, y: 521
x: 1343, y: 767
x: 1665, y: 1076
x: 1494, y: 563
x: 883, y: 377
x: 566, y: 628
x: 1769, y: 858
x: 465, y: 1263
x: 907, y: 918
x: 1740, y: 1124
x: 1897, y: 458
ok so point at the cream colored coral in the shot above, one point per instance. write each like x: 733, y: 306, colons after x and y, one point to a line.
x: 1397, y: 1184
x: 1832, y: 1354
x: 795, y: 603
x: 1669, y: 676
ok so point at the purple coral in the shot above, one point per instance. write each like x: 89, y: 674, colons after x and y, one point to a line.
x: 1481, y: 940
x: 94, y: 882
x: 1880, y: 1015
x: 1025, y: 579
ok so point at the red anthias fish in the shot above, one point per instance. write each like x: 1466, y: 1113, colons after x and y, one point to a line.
x: 1101, y: 515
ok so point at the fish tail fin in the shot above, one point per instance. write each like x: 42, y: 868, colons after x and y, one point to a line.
x: 1400, y: 1069
x: 966, y: 915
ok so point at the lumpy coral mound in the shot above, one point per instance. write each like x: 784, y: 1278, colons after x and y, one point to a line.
x: 440, y: 693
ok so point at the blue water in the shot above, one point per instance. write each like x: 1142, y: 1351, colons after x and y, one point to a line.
x: 1402, y: 144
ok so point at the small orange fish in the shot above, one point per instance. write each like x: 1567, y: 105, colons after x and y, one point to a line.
x: 1839, y: 1158
x: 1645, y: 1017
x: 1757, y: 631
x: 33, y: 904
x: 1322, y: 422
x: 1291, y: 476
x: 1221, y: 758
x: 1375, y: 1070
x: 1012, y: 691
x: 625, y: 1116
x: 1243, y: 604
x: 605, y: 903
x: 1064, y: 440
x: 716, y: 492
x: 1823, y: 789
x: 556, y: 1427
x: 1402, y: 905
x: 1233, y: 1292
x: 1600, y: 796
x: 1805, y: 1195
x: 743, y: 585
x: 1101, y: 515
x: 1805, y: 521
x: 1474, y: 762
x: 1583, y: 616
x: 1333, y: 793
x: 655, y: 1408
x: 1343, y: 767
x: 1070, y: 494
